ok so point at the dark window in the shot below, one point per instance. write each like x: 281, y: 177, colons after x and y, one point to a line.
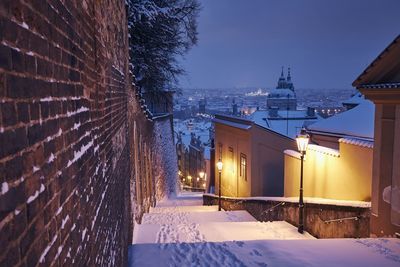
x: 243, y: 166
x: 220, y: 151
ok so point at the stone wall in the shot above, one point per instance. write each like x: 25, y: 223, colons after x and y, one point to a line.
x: 166, y: 161
x: 65, y: 148
x: 321, y: 220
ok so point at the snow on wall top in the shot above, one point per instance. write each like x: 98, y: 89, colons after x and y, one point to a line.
x: 357, y: 142
x: 311, y: 200
x: 324, y: 150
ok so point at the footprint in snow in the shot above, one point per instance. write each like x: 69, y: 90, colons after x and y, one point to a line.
x: 240, y: 243
x: 262, y: 264
x: 257, y: 252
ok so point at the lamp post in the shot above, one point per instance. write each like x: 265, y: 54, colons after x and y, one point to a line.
x: 302, y: 143
x: 201, y: 174
x: 219, y: 166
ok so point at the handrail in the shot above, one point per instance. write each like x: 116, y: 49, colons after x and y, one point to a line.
x: 355, y: 218
x: 273, y: 207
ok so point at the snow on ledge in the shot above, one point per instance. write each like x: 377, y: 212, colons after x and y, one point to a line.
x: 311, y: 200
x: 292, y: 153
x: 357, y: 142
x: 324, y: 150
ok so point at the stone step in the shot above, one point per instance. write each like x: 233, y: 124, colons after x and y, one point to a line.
x: 173, y: 209
x: 197, y: 217
x: 216, y: 232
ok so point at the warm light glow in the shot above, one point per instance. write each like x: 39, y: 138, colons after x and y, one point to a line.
x: 201, y: 174
x: 189, y: 177
x: 179, y: 173
x: 204, y: 185
x: 302, y: 142
x: 183, y: 179
x: 198, y: 179
x: 219, y: 166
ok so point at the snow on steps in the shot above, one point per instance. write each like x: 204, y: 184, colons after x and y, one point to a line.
x: 294, y: 253
x: 197, y: 217
x: 173, y: 209
x: 216, y: 232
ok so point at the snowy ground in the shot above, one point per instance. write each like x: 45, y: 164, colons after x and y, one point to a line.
x: 181, y: 232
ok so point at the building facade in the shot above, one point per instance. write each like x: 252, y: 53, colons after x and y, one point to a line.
x: 252, y: 156
x: 380, y: 82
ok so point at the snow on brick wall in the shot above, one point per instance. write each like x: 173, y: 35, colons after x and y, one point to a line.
x: 165, y: 158
x: 64, y: 155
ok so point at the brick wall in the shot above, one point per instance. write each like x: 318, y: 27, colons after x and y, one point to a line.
x: 65, y: 149
x: 321, y: 220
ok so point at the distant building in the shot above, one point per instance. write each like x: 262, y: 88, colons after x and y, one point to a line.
x: 283, y: 97
x: 202, y: 105
x: 193, y: 151
x: 380, y: 82
x: 234, y: 108
x: 328, y: 111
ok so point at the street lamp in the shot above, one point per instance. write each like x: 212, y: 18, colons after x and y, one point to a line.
x: 302, y: 143
x: 201, y: 174
x: 219, y: 167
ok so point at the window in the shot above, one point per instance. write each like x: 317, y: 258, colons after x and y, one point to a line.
x: 231, y: 158
x: 220, y: 151
x: 243, y: 166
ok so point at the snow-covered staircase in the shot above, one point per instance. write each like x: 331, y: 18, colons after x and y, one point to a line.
x: 182, y: 232
x: 173, y: 223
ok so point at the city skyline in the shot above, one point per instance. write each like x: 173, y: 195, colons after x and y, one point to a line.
x: 326, y: 45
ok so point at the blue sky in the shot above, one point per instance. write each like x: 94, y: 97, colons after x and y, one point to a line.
x: 327, y: 44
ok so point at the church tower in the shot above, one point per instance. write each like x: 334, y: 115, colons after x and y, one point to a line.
x: 281, y: 81
x: 284, y: 96
x: 289, y: 83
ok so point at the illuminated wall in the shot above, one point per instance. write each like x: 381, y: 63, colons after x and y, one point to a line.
x: 344, y: 174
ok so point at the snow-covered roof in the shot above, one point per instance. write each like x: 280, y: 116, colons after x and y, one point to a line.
x: 291, y: 127
x: 199, y: 128
x: 355, y: 99
x: 281, y: 93
x: 357, y: 122
x: 232, y: 124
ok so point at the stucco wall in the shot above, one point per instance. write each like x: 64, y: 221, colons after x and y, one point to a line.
x: 347, y: 176
x: 239, y: 140
x: 268, y: 162
x: 264, y: 152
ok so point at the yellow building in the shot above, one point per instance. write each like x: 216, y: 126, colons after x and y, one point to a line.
x: 343, y: 174
x: 252, y: 157
x: 338, y: 162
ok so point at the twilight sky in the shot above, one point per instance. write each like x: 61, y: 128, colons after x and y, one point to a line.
x: 327, y: 44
